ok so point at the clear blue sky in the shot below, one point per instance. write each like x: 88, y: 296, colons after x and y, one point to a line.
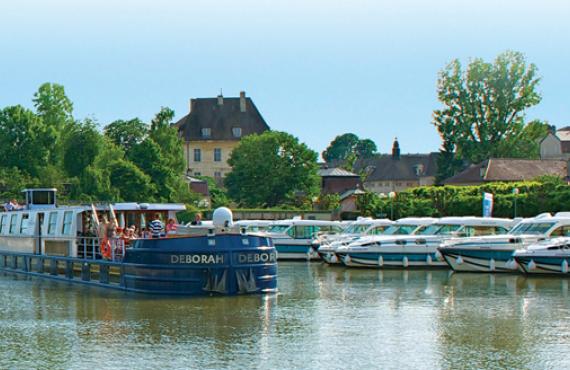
x: 315, y: 69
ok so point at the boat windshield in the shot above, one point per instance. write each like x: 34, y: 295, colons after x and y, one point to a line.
x: 532, y: 228
x: 447, y: 229
x: 401, y: 229
x: 356, y: 229
x: 278, y: 228
x: 429, y: 230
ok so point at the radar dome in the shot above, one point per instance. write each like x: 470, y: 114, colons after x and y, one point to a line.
x: 222, y: 217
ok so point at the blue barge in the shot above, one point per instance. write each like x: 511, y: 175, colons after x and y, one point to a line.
x: 54, y: 242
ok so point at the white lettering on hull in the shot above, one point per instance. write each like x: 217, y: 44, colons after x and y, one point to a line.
x: 257, y: 258
x: 196, y: 259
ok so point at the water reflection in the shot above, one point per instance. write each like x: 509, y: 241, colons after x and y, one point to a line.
x: 323, y: 317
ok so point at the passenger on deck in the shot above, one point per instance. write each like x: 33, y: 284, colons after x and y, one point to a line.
x: 156, y: 227
x: 171, y: 227
x: 12, y: 205
x: 197, y: 219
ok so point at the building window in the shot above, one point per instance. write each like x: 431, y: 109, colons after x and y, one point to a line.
x: 217, y: 155
x: 197, y: 155
x: 236, y: 131
x: 206, y: 132
x: 217, y: 174
x: 197, y: 173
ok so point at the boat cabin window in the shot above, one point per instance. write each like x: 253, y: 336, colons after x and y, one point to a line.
x: 24, y: 223
x: 532, y: 228
x: 13, y: 220
x: 3, y: 223
x: 278, y: 228
x: 561, y: 231
x: 430, y: 230
x: 52, y: 221
x: 43, y: 197
x: 357, y: 229
x: 303, y: 231
x: 67, y: 218
x: 447, y: 229
x: 378, y: 230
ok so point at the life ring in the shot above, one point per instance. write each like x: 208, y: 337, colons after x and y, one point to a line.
x: 106, y: 249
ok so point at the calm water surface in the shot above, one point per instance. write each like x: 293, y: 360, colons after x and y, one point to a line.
x: 323, y: 317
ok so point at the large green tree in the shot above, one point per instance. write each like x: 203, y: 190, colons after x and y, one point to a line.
x: 483, y: 113
x: 56, y: 111
x: 270, y: 168
x: 82, y: 146
x: 25, y: 140
x: 126, y: 133
x: 349, y: 147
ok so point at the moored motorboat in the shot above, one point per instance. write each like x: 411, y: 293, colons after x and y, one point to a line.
x: 327, y: 244
x: 420, y: 249
x: 356, y: 252
x: 63, y: 242
x: 549, y: 257
x: 294, y: 238
x: 496, y: 253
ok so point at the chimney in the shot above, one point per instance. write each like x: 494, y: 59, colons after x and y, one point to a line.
x: 190, y: 105
x: 396, y: 149
x: 220, y: 99
x: 242, y: 101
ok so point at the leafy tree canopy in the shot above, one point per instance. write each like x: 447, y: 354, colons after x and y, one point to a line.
x: 349, y: 145
x: 126, y: 134
x: 268, y: 168
x: 483, y: 113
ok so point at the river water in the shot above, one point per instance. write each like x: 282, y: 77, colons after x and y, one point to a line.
x: 323, y: 318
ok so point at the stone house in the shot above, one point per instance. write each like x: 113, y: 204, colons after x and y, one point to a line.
x: 212, y: 130
x: 556, y: 145
x: 387, y: 173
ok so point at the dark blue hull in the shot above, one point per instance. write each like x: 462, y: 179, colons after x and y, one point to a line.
x: 226, y: 264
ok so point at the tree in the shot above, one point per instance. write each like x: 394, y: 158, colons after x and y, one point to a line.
x: 82, y: 146
x: 166, y: 136
x: 483, y: 114
x: 269, y: 168
x: 127, y: 134
x: 25, y: 142
x: 132, y: 184
x: 56, y: 111
x: 349, y: 145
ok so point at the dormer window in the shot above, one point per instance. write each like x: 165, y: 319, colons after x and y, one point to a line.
x: 236, y: 131
x: 206, y: 132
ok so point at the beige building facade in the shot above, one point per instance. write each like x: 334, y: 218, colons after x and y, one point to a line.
x: 213, y: 128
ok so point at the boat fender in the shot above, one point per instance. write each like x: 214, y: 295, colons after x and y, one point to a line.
x: 438, y: 256
x: 428, y: 259
x: 459, y: 260
x: 309, y: 253
x: 346, y: 259
x: 492, y: 265
x: 333, y: 258
x: 380, y: 261
x: 564, y: 267
x: 405, y: 262
x: 531, y: 265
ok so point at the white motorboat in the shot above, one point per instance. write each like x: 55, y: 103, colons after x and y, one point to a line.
x: 419, y: 249
x: 549, y: 257
x: 293, y: 239
x: 496, y: 253
x: 327, y: 244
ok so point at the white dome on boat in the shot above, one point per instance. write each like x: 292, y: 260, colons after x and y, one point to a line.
x: 222, y: 217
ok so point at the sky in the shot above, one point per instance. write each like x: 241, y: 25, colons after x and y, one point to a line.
x: 315, y: 69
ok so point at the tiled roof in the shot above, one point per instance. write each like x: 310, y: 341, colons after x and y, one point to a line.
x: 336, y: 172
x: 503, y: 169
x: 221, y: 119
x: 385, y: 167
